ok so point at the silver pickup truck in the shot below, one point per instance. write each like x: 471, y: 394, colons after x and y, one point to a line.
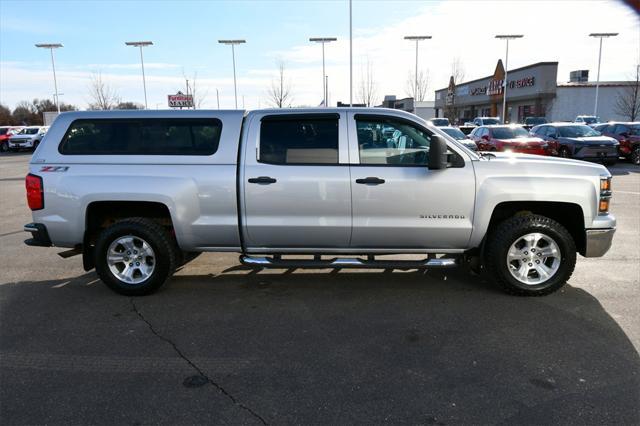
x: 141, y: 193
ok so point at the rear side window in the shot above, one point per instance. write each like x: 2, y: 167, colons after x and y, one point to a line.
x: 299, y: 140
x: 148, y: 136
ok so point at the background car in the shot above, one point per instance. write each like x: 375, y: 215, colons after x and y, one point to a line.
x: 460, y: 137
x: 27, y: 138
x: 439, y: 122
x: 529, y: 122
x: 509, y: 138
x: 573, y: 140
x: 5, y: 133
x: 628, y: 134
x: 486, y: 121
x: 587, y: 119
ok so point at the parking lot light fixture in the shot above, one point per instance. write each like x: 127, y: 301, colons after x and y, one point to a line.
x: 51, y: 47
x: 233, y: 57
x: 141, y: 44
x: 506, y: 37
x: 323, y: 41
x: 600, y: 36
x: 417, y: 39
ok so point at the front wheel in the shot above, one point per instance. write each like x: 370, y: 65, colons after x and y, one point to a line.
x: 635, y: 156
x: 530, y: 255
x: 135, y: 256
x: 35, y: 145
x: 4, y: 147
x: 564, y: 152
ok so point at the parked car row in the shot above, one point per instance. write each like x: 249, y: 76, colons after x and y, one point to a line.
x: 602, y: 143
x: 15, y: 138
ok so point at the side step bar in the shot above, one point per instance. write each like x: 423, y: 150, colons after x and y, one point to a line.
x: 342, y: 262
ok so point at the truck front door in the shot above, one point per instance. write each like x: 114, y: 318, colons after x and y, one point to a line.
x: 398, y: 203
x: 295, y: 182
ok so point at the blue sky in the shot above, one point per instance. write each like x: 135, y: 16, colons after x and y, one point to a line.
x: 185, y: 38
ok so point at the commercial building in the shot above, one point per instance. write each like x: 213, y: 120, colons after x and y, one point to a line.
x: 532, y: 90
x: 423, y: 109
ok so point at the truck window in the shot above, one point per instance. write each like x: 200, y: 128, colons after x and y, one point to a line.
x: 299, y: 140
x: 392, y: 142
x: 148, y: 136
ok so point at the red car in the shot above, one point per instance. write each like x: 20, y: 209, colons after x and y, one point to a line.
x: 5, y: 133
x: 510, y: 138
x: 628, y: 134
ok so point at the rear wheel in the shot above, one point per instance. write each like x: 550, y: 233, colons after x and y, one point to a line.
x: 135, y: 256
x: 564, y: 152
x: 4, y: 147
x: 530, y: 255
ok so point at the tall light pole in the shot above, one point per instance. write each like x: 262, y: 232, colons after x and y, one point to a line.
x: 52, y: 46
x: 233, y: 56
x: 417, y: 40
x: 506, y: 37
x: 600, y: 36
x: 323, y: 41
x: 141, y: 44
x: 350, y: 56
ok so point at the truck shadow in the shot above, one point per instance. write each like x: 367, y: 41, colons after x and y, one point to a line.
x: 345, y: 347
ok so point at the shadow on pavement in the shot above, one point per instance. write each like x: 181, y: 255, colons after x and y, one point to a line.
x: 328, y: 348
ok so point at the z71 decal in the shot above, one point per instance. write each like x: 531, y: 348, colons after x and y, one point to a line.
x: 54, y: 168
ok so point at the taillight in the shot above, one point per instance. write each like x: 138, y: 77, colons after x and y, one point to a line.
x: 35, y: 192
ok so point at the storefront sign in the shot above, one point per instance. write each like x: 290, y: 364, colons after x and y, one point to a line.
x: 495, y: 86
x: 180, y: 100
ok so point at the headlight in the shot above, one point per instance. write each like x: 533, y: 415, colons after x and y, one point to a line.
x: 605, y: 195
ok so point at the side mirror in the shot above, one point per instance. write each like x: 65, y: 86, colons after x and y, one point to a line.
x: 437, y: 153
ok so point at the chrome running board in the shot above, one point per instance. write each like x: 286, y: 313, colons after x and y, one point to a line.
x: 344, y: 262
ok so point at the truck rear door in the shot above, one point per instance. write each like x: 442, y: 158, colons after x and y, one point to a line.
x: 295, y: 182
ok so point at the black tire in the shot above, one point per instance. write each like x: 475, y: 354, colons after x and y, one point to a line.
x: 635, y: 155
x: 507, y: 233
x: 155, y: 235
x: 4, y: 147
x: 564, y: 152
x: 610, y: 162
x: 35, y: 145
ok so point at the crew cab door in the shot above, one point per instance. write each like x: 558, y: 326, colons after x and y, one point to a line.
x: 295, y: 182
x: 398, y: 203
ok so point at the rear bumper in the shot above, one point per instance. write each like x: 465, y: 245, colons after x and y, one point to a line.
x: 39, y: 235
x: 598, y: 241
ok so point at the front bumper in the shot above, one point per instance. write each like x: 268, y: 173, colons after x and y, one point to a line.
x: 598, y: 241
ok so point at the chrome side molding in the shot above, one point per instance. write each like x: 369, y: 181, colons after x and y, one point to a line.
x: 345, y: 262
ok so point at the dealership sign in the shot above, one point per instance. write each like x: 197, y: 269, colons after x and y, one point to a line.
x: 180, y: 100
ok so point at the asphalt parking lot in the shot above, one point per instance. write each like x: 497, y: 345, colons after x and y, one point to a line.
x: 220, y: 344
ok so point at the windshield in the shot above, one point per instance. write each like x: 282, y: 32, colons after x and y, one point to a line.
x: 579, y: 131
x: 590, y: 119
x: 489, y: 121
x: 509, y: 133
x: 455, y: 133
x: 634, y: 130
x: 32, y: 131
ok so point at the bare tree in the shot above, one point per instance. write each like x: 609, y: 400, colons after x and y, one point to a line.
x: 368, y: 90
x: 417, y: 92
x: 457, y: 76
x: 457, y: 70
x: 194, y: 90
x: 628, y: 101
x: 102, y: 95
x: 279, y: 94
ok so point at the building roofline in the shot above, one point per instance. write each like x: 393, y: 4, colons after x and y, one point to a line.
x: 537, y: 64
